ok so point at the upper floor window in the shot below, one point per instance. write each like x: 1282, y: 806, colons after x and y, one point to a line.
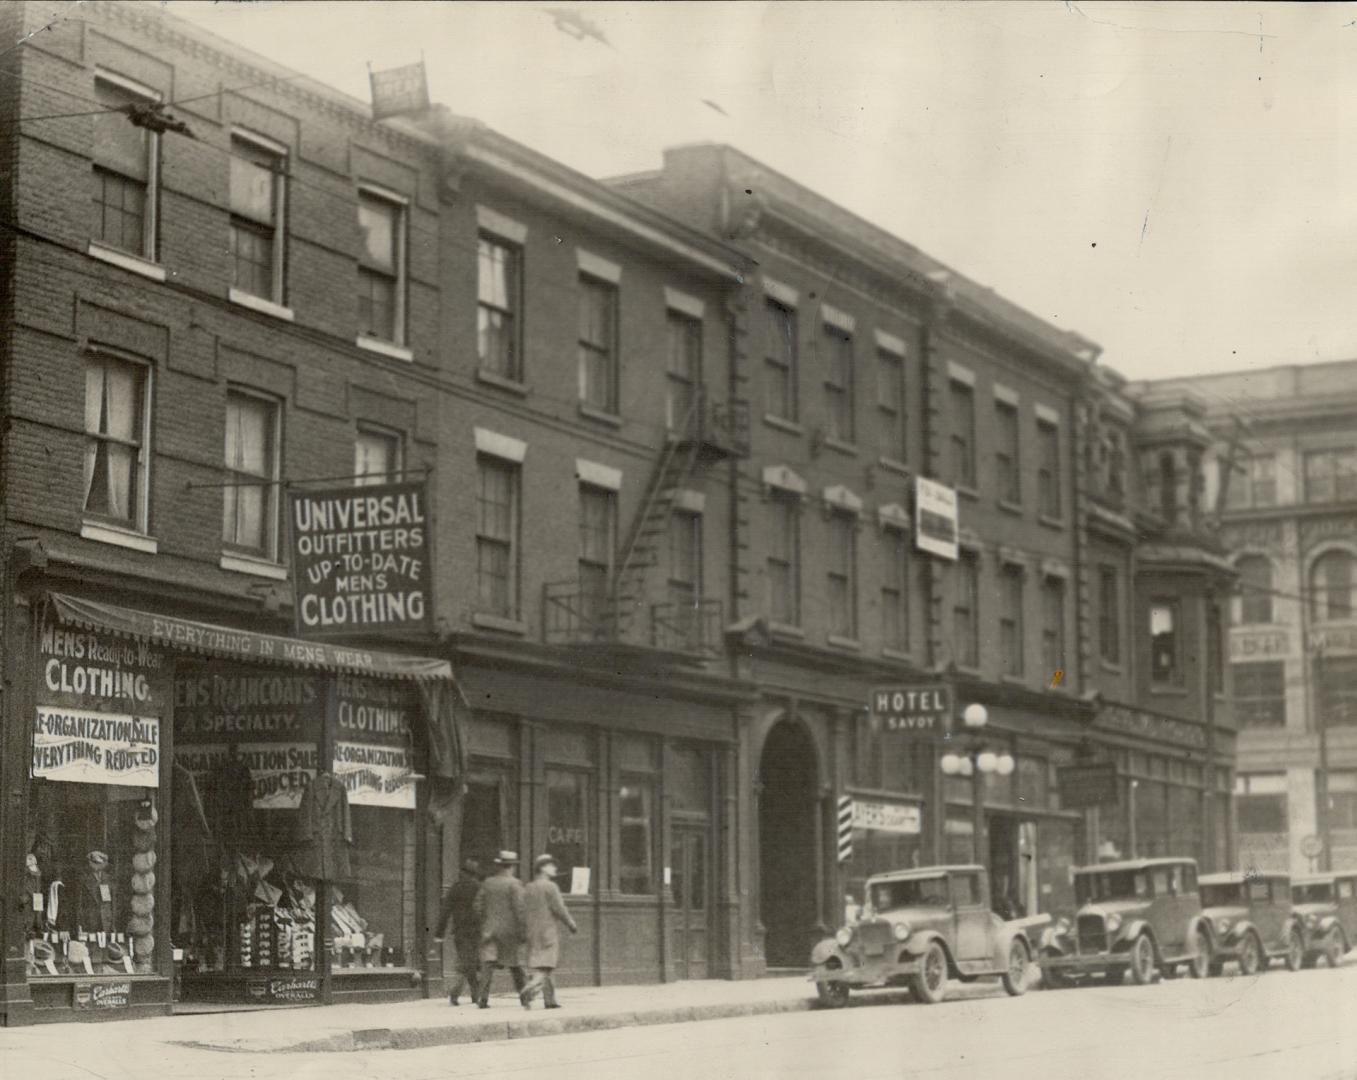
x: 1331, y: 475
x: 784, y: 558
x: 597, y: 517
x: 963, y: 433
x: 1109, y: 614
x: 1052, y: 627
x: 966, y: 610
x: 1048, y: 469
x: 117, y: 434
x: 1260, y: 693
x: 126, y: 164
x: 497, y: 529
x: 839, y: 391
x: 1166, y: 667
x: 381, y: 267
x: 498, y: 287
x: 684, y: 369
x: 250, y: 502
x: 1260, y: 802
x: 257, y: 218
x: 1253, y: 482
x: 685, y: 573
x: 843, y: 575
x: 377, y: 456
x: 1006, y: 463
x: 1011, y: 581
x: 895, y: 590
x: 780, y: 361
x: 1168, y: 487
x: 1331, y: 586
x: 1116, y: 462
x: 598, y: 344
x: 1254, y: 604
x: 890, y: 404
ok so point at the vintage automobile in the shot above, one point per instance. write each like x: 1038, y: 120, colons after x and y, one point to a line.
x: 1138, y: 915
x: 920, y: 928
x: 1327, y: 907
x: 1253, y: 920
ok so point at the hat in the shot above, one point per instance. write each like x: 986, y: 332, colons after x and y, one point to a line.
x: 97, y: 859
x: 544, y: 860
x: 113, y: 952
x: 506, y: 858
x: 43, y: 951
x: 471, y: 866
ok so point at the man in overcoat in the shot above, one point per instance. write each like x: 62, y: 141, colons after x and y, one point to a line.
x: 546, y: 912
x: 500, y: 907
x: 459, y: 909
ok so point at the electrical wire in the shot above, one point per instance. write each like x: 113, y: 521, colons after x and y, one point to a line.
x: 158, y: 104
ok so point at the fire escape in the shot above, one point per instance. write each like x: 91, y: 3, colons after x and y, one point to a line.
x: 628, y: 609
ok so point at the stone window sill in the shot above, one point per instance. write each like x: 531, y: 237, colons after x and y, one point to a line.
x: 894, y: 465
x: 249, y: 564
x: 502, y: 623
x: 502, y: 382
x: 120, y: 537
x: 126, y: 260
x: 840, y: 642
x: 602, y: 416
x: 384, y: 348
x: 791, y: 427
x: 258, y: 303
x: 841, y: 447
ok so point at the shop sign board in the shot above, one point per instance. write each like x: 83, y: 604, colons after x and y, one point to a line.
x: 374, y: 725
x: 376, y: 775
x: 1090, y: 785
x: 102, y: 995
x: 1256, y: 644
x: 917, y: 712
x: 85, y: 747
x: 360, y: 558
x: 301, y: 988
x: 902, y: 818
x: 279, y: 771
x: 935, y: 518
x: 94, y: 669
x: 1334, y: 641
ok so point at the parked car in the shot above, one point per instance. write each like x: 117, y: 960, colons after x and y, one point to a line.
x: 1253, y: 920
x: 1139, y: 915
x: 919, y: 928
x: 1327, y: 906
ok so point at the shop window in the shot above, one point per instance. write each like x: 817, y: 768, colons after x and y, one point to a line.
x: 497, y: 526
x: 250, y: 497
x: 598, y: 344
x: 962, y: 398
x: 1166, y: 667
x: 1109, y: 614
x: 126, y: 159
x: 378, y: 456
x: 780, y: 361
x: 117, y: 435
x: 636, y: 812
x: 966, y: 610
x: 381, y: 267
x: 843, y: 575
x: 1006, y: 461
x: 890, y: 405
x: 784, y: 558
x: 372, y: 914
x: 569, y: 833
x: 1011, y: 642
x: 839, y: 384
x: 498, y: 302
x: 258, y: 223
x: 1254, y: 603
x: 1332, y: 586
x: 684, y: 372
x: 1260, y: 693
x: 1153, y: 835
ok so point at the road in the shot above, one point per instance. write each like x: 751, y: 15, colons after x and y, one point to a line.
x: 1277, y: 1024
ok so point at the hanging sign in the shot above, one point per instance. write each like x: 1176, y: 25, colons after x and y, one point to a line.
x: 360, y: 558
x: 1084, y: 786
x: 398, y: 91
x: 935, y: 518
x: 84, y: 747
x: 917, y: 712
x: 901, y: 818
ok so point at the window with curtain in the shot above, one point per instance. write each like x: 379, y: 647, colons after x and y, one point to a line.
x: 497, y: 517
x: 257, y: 218
x: 1006, y: 462
x: 683, y: 370
x: 843, y: 575
x: 1331, y: 586
x: 1254, y: 604
x: 780, y: 361
x: 962, y: 399
x: 381, y: 268
x: 125, y: 161
x: 250, y: 498
x: 890, y: 405
x: 895, y: 589
x: 498, y: 285
x: 839, y: 389
x: 117, y: 399
x: 784, y: 558
x: 377, y: 457
x: 598, y: 344
x: 1011, y: 579
x: 966, y: 610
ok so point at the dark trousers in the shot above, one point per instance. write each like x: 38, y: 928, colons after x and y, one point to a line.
x: 488, y: 970
x: 541, y: 981
x: 468, y: 971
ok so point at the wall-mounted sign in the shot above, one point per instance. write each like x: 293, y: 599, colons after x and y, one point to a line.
x: 84, y: 747
x: 1083, y: 786
x: 935, y: 518
x: 902, y: 818
x: 916, y: 711
x: 279, y: 771
x: 87, y: 995
x: 376, y: 775
x: 360, y: 558
x: 97, y: 670
x: 1333, y: 642
x: 1259, y: 644
x: 285, y: 988
x: 398, y: 91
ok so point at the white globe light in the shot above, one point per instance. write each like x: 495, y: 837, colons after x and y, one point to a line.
x: 975, y: 716
x: 951, y: 764
x: 987, y: 761
x: 966, y: 767
x: 1005, y: 764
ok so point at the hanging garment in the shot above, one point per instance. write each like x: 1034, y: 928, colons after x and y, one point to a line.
x: 230, y: 800
x: 95, y: 903
x: 324, y: 830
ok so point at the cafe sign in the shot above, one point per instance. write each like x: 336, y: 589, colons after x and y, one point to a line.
x: 915, y: 711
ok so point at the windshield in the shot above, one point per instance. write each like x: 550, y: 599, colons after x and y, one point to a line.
x: 920, y: 892
x: 1220, y: 896
x: 1317, y: 893
x: 1117, y: 885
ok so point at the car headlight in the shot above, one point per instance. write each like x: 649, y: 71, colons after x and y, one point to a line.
x: 901, y: 931
x: 844, y: 937
x: 1222, y: 926
x: 1062, y: 925
x: 1113, y: 923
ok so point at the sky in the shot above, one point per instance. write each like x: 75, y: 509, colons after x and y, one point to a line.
x: 1177, y: 182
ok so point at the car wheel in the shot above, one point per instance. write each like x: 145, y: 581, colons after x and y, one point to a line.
x: 1142, y: 960
x: 1295, y: 951
x: 833, y: 995
x: 1200, y: 964
x: 1333, y: 948
x: 1015, y: 978
x: 929, y: 985
x: 1250, y: 955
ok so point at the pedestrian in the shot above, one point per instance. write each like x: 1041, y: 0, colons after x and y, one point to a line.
x: 459, y: 909
x: 499, y: 905
x: 545, y: 909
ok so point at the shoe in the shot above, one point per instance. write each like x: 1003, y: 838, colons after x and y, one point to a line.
x: 552, y: 1006
x: 482, y: 1004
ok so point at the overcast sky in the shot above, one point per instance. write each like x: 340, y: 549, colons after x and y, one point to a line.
x: 1177, y: 182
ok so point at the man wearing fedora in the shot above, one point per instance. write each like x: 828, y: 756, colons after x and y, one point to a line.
x: 499, y: 905
x: 459, y: 909
x: 545, y: 910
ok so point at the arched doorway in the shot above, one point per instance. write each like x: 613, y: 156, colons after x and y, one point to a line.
x: 788, y: 838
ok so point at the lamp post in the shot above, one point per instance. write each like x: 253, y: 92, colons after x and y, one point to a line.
x: 975, y: 761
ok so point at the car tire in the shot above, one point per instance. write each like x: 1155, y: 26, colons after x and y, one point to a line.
x: 1333, y: 948
x: 1295, y: 951
x: 1251, y: 958
x: 929, y: 984
x: 1142, y: 960
x: 1015, y: 978
x: 833, y: 995
x: 1199, y: 966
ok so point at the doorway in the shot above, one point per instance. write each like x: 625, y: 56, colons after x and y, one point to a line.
x: 487, y: 824
x: 691, y: 888
x: 1015, y: 878
x: 788, y: 845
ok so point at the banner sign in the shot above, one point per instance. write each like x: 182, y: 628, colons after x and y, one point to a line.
x: 935, y: 518
x: 360, y: 559
x: 83, y: 747
x: 279, y: 771
x: 376, y: 775
x: 1084, y: 786
x: 920, y: 712
x: 93, y: 670
x: 902, y: 818
x: 219, y: 703
x: 398, y: 91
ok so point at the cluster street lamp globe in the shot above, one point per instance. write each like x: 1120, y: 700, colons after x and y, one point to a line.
x: 976, y: 761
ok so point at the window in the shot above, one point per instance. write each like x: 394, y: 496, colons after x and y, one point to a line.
x: 890, y: 404
x: 1215, y: 647
x: 1331, y: 586
x: 250, y: 500
x: 1253, y: 482
x: 780, y: 360
x: 636, y: 809
x: 966, y: 610
x: 895, y: 590
x: 1260, y: 803
x: 839, y: 391
x: 1331, y: 475
x: 685, y: 576
x: 377, y: 457
x: 1254, y: 604
x: 497, y: 516
x: 126, y: 161
x: 965, y: 890
x: 381, y: 268
x: 1109, y: 614
x: 569, y: 795
x: 684, y: 372
x: 1165, y: 662
x: 1006, y: 463
x: 1342, y: 801
x: 1260, y: 694
x: 1052, y: 626
x: 596, y: 553
x: 784, y: 558
x: 117, y: 431
x: 843, y: 575
x: 598, y: 344
x: 498, y: 287
x: 1048, y: 469
x: 257, y: 218
x: 963, y: 434
x: 1116, y: 463
x: 1336, y: 690
x: 1010, y: 619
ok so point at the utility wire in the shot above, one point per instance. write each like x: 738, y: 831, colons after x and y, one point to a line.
x: 160, y: 104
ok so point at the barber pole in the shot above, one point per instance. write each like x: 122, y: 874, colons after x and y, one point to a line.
x: 845, y: 828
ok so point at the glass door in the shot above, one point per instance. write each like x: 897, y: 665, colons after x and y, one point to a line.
x: 691, y: 886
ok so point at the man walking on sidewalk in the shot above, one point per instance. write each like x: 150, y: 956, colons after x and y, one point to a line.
x: 459, y: 908
x: 545, y: 909
x: 499, y: 903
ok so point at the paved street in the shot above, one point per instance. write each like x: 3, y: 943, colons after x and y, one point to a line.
x: 1273, y: 1025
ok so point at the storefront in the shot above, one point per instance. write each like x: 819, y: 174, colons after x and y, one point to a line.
x: 218, y: 815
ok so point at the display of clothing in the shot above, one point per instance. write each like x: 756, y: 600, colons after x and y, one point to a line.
x: 324, y: 830
x: 96, y: 898
x: 229, y: 800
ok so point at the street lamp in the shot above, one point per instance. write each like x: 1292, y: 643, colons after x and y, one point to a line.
x: 976, y: 761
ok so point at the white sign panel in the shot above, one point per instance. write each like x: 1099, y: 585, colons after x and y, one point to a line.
x: 886, y: 817
x: 376, y: 775
x: 279, y: 771
x: 84, y: 747
x: 935, y: 518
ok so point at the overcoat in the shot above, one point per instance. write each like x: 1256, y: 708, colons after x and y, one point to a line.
x: 500, y: 907
x: 324, y: 830
x: 459, y: 908
x: 546, y: 912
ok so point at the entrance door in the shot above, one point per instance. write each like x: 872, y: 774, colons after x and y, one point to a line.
x: 788, y: 838
x: 691, y: 887
x: 1005, y: 877
x: 486, y: 827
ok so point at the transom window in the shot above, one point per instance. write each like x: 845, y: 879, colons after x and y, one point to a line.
x: 117, y: 430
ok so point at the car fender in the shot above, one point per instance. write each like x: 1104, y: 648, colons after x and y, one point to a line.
x: 825, y: 950
x: 1130, y: 930
x: 1053, y: 938
x: 918, y: 943
x: 1003, y: 943
x: 1237, y: 932
x: 1201, y: 922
